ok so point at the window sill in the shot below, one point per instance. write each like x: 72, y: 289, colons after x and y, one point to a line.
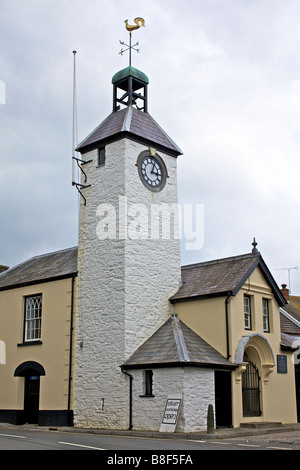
x: 30, y: 343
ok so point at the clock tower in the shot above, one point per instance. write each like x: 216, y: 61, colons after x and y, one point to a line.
x: 128, y: 250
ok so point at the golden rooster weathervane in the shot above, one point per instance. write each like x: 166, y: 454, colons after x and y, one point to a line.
x: 138, y: 23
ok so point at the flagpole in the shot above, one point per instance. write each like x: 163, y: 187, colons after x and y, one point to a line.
x: 74, y: 121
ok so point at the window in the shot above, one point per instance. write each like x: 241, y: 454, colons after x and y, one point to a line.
x: 33, y: 318
x: 148, y: 377
x: 247, y: 312
x: 265, y: 308
x: 101, y: 156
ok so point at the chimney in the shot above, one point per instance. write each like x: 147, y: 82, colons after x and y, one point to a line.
x: 285, y: 292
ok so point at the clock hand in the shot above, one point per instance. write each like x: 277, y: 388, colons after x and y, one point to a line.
x: 154, y: 172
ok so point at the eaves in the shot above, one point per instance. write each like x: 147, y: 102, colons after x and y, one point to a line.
x: 38, y: 281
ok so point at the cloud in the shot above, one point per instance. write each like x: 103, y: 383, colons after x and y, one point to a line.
x: 224, y: 84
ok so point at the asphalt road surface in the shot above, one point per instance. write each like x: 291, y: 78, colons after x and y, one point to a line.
x: 42, y: 439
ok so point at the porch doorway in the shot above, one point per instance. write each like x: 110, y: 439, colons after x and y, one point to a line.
x: 223, y: 399
x: 251, y: 390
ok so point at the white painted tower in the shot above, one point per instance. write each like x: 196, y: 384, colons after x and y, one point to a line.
x: 128, y: 267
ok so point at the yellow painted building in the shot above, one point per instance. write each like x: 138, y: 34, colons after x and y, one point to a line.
x: 233, y: 304
x: 37, y: 305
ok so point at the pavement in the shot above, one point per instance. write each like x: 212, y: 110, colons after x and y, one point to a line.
x: 226, y: 433
x: 257, y: 429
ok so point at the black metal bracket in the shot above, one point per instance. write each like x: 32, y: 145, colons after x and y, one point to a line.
x: 80, y: 166
x: 78, y: 185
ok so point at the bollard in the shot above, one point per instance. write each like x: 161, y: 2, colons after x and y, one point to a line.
x: 210, y: 420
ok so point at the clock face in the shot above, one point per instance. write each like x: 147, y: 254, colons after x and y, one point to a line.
x: 152, y: 172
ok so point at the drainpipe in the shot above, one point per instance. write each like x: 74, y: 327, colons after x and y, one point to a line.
x: 71, y: 349
x: 227, y: 326
x: 130, y: 397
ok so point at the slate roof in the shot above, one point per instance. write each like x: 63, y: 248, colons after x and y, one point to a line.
x: 290, y: 341
x: 56, y: 265
x: 292, y: 311
x: 222, y: 277
x: 134, y: 124
x: 295, y: 301
x: 175, y: 344
x: 288, y: 326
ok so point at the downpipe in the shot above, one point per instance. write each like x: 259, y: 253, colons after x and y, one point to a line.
x: 130, y: 396
x: 70, y: 419
x: 227, y: 325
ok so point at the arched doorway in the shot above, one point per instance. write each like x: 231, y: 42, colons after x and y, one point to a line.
x: 255, y: 355
x: 31, y: 371
x: 251, y: 389
x: 260, y: 344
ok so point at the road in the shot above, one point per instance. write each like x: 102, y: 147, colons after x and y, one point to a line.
x: 42, y: 439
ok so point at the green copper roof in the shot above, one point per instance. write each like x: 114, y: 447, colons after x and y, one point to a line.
x: 130, y: 71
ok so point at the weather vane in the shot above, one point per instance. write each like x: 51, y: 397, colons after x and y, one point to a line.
x: 138, y: 22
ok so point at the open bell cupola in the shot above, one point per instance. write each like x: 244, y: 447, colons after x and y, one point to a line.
x: 130, y: 89
x: 130, y: 117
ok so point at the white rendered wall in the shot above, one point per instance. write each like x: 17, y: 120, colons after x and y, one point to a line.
x: 101, y: 288
x: 123, y: 285
x: 199, y: 392
x: 196, y: 386
x: 152, y: 267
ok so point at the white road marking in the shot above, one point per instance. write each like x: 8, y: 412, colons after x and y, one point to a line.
x: 279, y: 448
x: 248, y: 445
x: 218, y: 442
x: 13, y: 435
x: 80, y: 445
x: 242, y: 445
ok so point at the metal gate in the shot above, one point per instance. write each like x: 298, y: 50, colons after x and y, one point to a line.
x: 250, y: 388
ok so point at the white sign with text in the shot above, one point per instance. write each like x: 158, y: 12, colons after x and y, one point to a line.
x: 171, y: 413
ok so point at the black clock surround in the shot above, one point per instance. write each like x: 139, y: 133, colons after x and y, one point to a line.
x: 152, y: 171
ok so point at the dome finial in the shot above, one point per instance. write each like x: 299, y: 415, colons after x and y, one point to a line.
x: 254, y: 249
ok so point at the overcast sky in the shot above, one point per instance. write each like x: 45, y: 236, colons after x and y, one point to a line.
x: 224, y: 84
